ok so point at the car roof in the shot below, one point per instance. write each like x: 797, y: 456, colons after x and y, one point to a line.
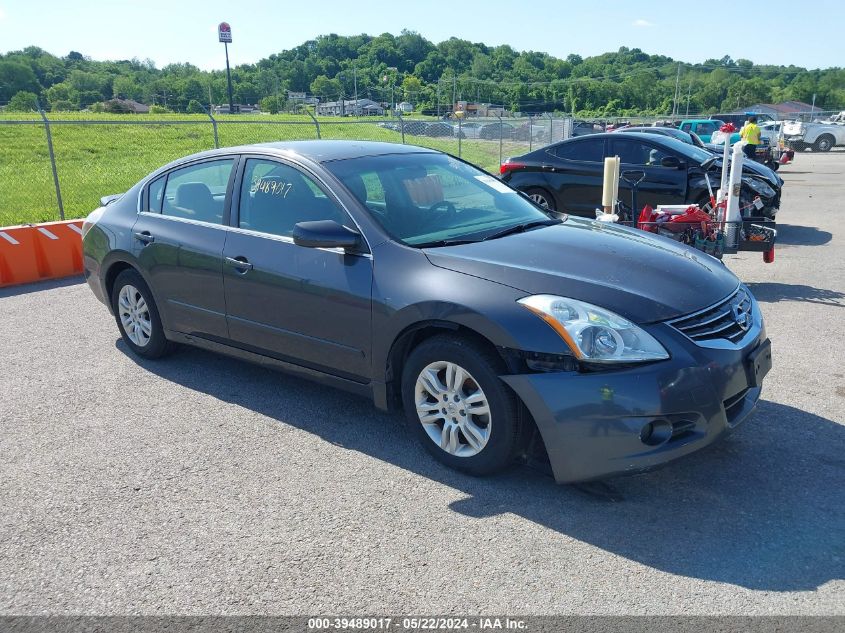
x: 318, y: 151
x: 658, y: 139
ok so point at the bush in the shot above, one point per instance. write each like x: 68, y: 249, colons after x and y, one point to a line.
x: 63, y: 106
x: 157, y: 109
x: 194, y: 107
x: 270, y: 104
x: 23, y: 101
x: 114, y: 106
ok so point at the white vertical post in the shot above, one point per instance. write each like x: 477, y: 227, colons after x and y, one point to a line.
x: 733, y: 214
x: 723, y: 184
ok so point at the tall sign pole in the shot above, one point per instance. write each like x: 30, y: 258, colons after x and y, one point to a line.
x: 224, y: 34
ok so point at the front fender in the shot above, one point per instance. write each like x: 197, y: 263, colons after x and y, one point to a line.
x: 409, y: 291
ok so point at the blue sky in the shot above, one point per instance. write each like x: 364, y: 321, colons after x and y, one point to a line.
x: 177, y: 31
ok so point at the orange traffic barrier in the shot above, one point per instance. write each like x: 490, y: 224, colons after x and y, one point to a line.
x: 36, y: 252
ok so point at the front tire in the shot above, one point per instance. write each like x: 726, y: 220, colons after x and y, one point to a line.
x: 137, y: 316
x: 458, y: 408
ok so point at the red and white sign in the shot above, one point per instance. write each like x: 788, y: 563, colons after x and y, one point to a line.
x: 224, y: 32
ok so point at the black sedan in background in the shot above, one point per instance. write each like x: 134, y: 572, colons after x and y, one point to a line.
x: 567, y: 177
x: 749, y: 167
x: 420, y: 281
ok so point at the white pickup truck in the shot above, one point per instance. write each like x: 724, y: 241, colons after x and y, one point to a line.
x: 821, y: 136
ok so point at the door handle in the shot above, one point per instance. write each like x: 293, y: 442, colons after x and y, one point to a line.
x: 548, y: 168
x: 240, y: 262
x: 145, y: 237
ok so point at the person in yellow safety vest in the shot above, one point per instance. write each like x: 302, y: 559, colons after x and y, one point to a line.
x: 750, y: 133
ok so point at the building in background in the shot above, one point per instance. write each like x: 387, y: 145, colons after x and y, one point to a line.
x: 350, y: 107
x: 783, y: 110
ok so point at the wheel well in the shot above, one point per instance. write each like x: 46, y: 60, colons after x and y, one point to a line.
x: 111, y: 274
x: 533, y: 449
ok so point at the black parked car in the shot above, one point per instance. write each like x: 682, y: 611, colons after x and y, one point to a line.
x: 411, y: 277
x: 567, y: 176
x: 749, y: 167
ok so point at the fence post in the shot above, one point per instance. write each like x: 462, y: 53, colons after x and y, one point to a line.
x: 214, y: 126
x: 460, y: 134
x: 551, y: 128
x: 401, y: 125
x: 530, y: 133
x: 501, y: 134
x: 53, y: 162
x: 313, y: 118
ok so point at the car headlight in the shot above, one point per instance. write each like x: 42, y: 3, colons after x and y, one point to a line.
x: 759, y: 186
x: 595, y: 334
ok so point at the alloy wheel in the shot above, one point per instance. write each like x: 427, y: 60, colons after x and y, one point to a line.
x: 453, y: 409
x: 134, y: 315
x: 540, y: 199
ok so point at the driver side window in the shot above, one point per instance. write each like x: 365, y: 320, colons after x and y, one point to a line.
x: 632, y: 152
x: 274, y: 197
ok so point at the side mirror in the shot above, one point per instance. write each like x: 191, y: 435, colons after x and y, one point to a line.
x: 671, y: 162
x: 325, y: 234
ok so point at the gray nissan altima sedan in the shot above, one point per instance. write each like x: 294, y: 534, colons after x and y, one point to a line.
x: 412, y: 277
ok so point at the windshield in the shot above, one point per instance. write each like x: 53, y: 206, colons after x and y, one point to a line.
x: 429, y: 198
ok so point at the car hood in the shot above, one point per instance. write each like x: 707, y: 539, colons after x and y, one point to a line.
x: 749, y: 168
x: 641, y: 276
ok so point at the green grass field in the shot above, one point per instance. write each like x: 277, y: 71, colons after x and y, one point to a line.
x: 95, y: 159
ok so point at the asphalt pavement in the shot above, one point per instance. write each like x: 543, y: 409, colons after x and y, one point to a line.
x: 204, y: 485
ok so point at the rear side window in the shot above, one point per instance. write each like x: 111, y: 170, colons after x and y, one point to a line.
x: 156, y: 194
x: 590, y: 150
x: 197, y: 192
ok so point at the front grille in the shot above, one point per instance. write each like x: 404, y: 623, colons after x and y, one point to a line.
x: 729, y: 319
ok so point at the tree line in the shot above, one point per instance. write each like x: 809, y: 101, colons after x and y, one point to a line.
x: 408, y: 67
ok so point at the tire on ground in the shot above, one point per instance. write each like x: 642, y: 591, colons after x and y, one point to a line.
x: 824, y: 143
x: 484, y: 366
x: 158, y: 345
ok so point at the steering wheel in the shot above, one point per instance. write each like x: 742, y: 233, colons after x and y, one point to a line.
x: 445, y: 206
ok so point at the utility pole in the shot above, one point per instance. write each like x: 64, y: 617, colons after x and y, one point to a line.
x: 438, y: 97
x: 689, y: 92
x: 454, y: 90
x: 675, y: 100
x: 355, y: 81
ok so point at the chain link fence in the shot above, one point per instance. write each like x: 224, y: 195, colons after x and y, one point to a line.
x: 57, y: 168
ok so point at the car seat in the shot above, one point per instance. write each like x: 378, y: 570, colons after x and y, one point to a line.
x: 194, y: 200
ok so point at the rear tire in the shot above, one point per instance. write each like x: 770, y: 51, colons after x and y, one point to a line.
x: 137, y: 316
x: 458, y: 407
x: 824, y: 143
x: 541, y: 197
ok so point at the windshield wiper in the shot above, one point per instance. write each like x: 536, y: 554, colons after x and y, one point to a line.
x: 521, y: 228
x: 436, y: 243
